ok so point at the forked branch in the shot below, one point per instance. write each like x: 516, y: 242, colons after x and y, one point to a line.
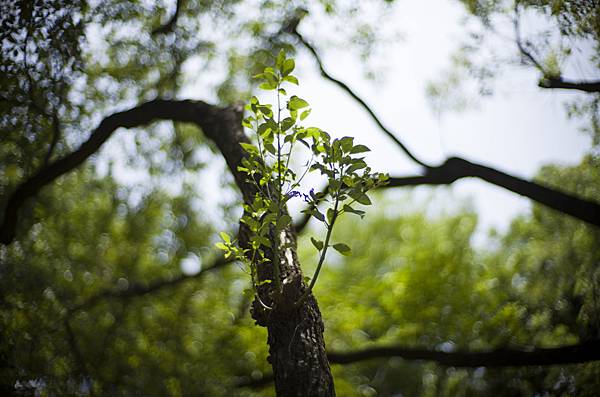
x: 456, y: 168
x: 208, y: 117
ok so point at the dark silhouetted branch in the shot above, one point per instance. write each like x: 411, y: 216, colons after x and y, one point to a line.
x: 168, y: 27
x: 358, y: 99
x: 573, y: 354
x: 196, y: 112
x: 141, y: 289
x: 524, y: 51
x: 456, y: 168
x: 559, y: 82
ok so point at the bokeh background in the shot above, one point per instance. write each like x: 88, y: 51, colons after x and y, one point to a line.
x: 108, y: 289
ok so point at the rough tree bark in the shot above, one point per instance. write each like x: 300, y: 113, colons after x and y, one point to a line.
x: 295, y: 332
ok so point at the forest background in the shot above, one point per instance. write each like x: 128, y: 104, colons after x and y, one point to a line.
x: 109, y: 279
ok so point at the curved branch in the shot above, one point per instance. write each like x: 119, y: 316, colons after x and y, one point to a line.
x: 210, y: 118
x: 168, y: 27
x: 358, y: 99
x: 526, y: 53
x: 456, y: 168
x: 572, y: 354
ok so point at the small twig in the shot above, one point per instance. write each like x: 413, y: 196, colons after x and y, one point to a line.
x: 520, y: 45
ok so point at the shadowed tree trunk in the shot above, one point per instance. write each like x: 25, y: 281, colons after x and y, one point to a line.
x: 296, y: 344
x: 295, y: 332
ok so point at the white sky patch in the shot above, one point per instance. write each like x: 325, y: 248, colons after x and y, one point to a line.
x: 519, y: 129
x: 191, y: 264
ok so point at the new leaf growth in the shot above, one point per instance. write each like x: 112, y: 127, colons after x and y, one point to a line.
x: 277, y: 131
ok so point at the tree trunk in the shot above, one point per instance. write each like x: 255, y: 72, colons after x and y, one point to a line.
x: 295, y: 332
x: 297, y: 348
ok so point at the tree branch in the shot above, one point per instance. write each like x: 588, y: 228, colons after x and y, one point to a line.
x: 210, y: 118
x: 572, y: 354
x: 549, y: 80
x: 502, y: 357
x: 524, y: 51
x: 168, y: 27
x: 358, y: 99
x: 559, y: 82
x: 456, y: 168
x: 141, y: 289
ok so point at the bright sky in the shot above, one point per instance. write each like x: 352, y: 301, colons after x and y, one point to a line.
x: 517, y: 130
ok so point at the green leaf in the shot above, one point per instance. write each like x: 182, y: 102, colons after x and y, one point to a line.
x: 222, y: 246
x: 360, y: 197
x: 280, y: 59
x: 246, y: 123
x: 356, y: 165
x: 342, y: 249
x: 330, y: 214
x: 268, y: 86
x: 225, y: 237
x: 351, y: 210
x: 318, y: 214
x: 346, y: 143
x: 283, y: 221
x: 248, y: 147
x: 305, y: 114
x: 296, y: 103
x: 288, y: 67
x: 359, y: 149
x: 317, y: 243
x: 287, y: 123
x: 291, y: 79
x: 270, y: 148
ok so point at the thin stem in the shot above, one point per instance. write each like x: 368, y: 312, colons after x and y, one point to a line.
x: 325, y: 246
x: 276, y: 264
x: 262, y: 157
x: 330, y: 225
x: 307, y: 168
x: 253, y: 276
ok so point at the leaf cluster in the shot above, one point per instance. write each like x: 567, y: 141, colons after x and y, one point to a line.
x: 277, y: 130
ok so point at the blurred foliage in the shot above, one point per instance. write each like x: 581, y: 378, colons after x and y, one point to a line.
x: 71, y: 321
x: 420, y: 282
